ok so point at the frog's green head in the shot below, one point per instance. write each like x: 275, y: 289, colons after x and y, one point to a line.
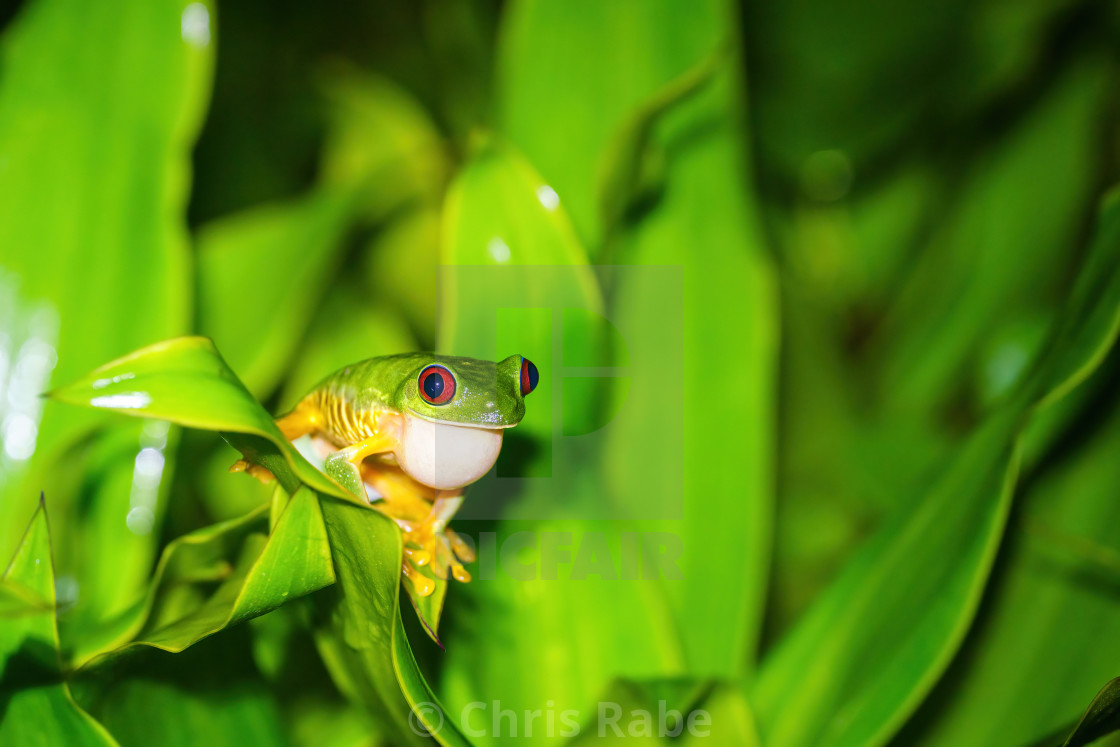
x: 469, y: 392
x: 456, y: 410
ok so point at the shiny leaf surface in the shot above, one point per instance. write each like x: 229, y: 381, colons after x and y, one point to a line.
x: 187, y: 382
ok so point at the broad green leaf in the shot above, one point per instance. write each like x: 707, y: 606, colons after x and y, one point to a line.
x: 638, y: 713
x: 513, y: 266
x: 569, y: 82
x: 1052, y: 594
x: 627, y: 58
x: 256, y: 573
x: 536, y: 607
x: 38, y: 706
x: 362, y: 643
x: 186, y: 381
x: 874, y: 644
x: 99, y: 108
x: 501, y: 214
x: 1101, y: 717
x: 261, y: 275
x: 731, y: 717
x: 17, y: 600
x: 625, y: 161
x: 654, y: 81
x: 723, y: 452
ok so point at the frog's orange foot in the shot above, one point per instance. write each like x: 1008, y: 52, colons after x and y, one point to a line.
x: 443, y: 552
x: 255, y: 470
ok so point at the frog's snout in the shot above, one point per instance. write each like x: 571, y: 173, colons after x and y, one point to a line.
x: 446, y: 456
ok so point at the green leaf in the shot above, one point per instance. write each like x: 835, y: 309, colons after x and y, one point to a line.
x: 186, y: 381
x: 724, y: 452
x: 363, y: 644
x: 635, y: 88
x: 512, y: 263
x: 1052, y: 592
x: 19, y: 601
x: 623, y: 164
x: 872, y: 646
x: 99, y: 108
x: 569, y: 83
x: 648, y: 79
x: 1101, y: 717
x: 501, y: 217
x: 38, y: 706
x: 255, y: 574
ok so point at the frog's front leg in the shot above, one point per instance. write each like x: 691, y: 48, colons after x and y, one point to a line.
x: 342, y: 465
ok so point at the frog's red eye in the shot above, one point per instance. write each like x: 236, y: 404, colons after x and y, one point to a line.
x: 529, y: 376
x: 437, y: 385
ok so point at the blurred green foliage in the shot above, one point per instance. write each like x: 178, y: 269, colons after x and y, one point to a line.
x: 895, y: 283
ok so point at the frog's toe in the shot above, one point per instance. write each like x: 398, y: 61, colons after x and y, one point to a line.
x: 421, y: 584
x: 418, y: 558
x: 460, y: 547
x: 256, y: 470
x: 440, y: 551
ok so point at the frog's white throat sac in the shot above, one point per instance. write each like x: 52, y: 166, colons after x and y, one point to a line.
x: 445, y: 456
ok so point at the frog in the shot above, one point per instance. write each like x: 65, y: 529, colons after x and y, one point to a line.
x: 408, y: 433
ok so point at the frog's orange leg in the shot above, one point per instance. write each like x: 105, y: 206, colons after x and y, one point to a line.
x: 303, y: 419
x: 403, y: 499
x: 422, y: 514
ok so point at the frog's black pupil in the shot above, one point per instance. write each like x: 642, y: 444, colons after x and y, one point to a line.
x: 433, y: 385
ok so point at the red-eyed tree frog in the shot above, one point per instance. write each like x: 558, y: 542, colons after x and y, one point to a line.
x: 417, y: 428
